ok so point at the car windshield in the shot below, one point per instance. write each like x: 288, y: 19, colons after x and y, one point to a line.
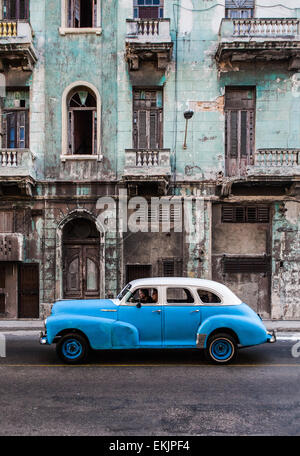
x: 124, y: 291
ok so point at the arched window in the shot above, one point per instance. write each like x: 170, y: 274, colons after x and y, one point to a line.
x: 82, y: 122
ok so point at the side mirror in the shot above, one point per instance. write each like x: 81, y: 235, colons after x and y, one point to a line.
x: 139, y: 304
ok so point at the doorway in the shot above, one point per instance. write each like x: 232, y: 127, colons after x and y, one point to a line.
x: 28, y: 291
x: 81, y: 260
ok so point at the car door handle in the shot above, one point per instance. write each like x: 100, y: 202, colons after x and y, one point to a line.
x: 156, y: 311
x: 192, y: 311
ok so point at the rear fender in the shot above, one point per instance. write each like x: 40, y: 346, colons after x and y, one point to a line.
x: 248, y: 332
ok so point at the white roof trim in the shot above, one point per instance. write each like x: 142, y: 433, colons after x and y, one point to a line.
x: 228, y: 297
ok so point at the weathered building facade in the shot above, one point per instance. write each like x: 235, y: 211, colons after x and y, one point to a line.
x: 107, y: 105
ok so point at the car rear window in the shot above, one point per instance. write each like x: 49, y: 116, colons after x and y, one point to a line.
x: 208, y: 297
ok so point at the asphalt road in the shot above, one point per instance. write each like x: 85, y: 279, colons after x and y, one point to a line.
x: 148, y: 393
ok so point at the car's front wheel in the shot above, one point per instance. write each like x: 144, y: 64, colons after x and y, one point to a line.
x: 221, y: 349
x: 72, y: 348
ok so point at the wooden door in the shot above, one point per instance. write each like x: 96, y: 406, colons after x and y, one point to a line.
x: 147, y: 119
x: 28, y: 291
x: 81, y: 271
x: 239, y: 130
x: 2, y: 289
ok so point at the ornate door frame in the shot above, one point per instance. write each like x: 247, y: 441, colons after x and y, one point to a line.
x: 78, y: 213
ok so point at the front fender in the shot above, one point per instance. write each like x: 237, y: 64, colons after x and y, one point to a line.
x: 102, y: 333
x: 248, y: 331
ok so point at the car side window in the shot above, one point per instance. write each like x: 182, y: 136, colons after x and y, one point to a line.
x: 208, y: 297
x: 144, y: 296
x: 179, y: 296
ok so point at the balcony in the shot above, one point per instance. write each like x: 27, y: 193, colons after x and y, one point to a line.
x: 16, y: 44
x: 147, y: 165
x: 148, y: 39
x: 11, y: 247
x: 17, y: 166
x: 260, y: 39
x: 275, y: 163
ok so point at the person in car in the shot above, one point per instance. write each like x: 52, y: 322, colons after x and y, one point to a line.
x: 144, y: 296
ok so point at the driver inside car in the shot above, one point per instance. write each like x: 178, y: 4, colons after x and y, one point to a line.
x: 144, y: 296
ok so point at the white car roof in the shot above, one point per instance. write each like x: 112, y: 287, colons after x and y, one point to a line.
x: 228, y: 296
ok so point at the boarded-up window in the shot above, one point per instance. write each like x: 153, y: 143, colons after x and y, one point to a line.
x: 15, y: 129
x: 239, y: 128
x: 82, y: 13
x: 239, y: 8
x: 148, y: 9
x: 147, y: 119
x: 138, y: 271
x: 245, y: 214
x: 15, y: 9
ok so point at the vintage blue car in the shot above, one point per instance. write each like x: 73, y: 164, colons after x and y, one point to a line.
x: 157, y: 313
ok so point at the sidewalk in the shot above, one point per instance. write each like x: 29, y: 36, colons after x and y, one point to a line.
x: 30, y: 325
x: 21, y: 325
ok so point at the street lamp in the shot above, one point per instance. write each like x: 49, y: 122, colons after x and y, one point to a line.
x: 187, y: 115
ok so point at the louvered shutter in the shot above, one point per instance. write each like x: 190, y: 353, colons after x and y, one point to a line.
x: 142, y: 130
x: 239, y: 4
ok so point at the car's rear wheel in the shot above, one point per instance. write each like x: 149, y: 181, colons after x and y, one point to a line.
x: 72, y: 348
x: 221, y: 349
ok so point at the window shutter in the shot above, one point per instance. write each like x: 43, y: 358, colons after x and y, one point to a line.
x: 233, y: 134
x: 6, y: 222
x: 71, y: 133
x: 77, y: 13
x: 94, y: 13
x: 142, y: 131
x: 245, y: 214
x: 70, y: 13
x: 153, y: 130
x: 22, y: 130
x: 246, y: 265
x: 239, y: 4
x: 11, y: 141
x: 263, y: 214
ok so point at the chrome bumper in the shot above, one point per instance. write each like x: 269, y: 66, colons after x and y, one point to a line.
x: 43, y: 339
x: 271, y: 336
